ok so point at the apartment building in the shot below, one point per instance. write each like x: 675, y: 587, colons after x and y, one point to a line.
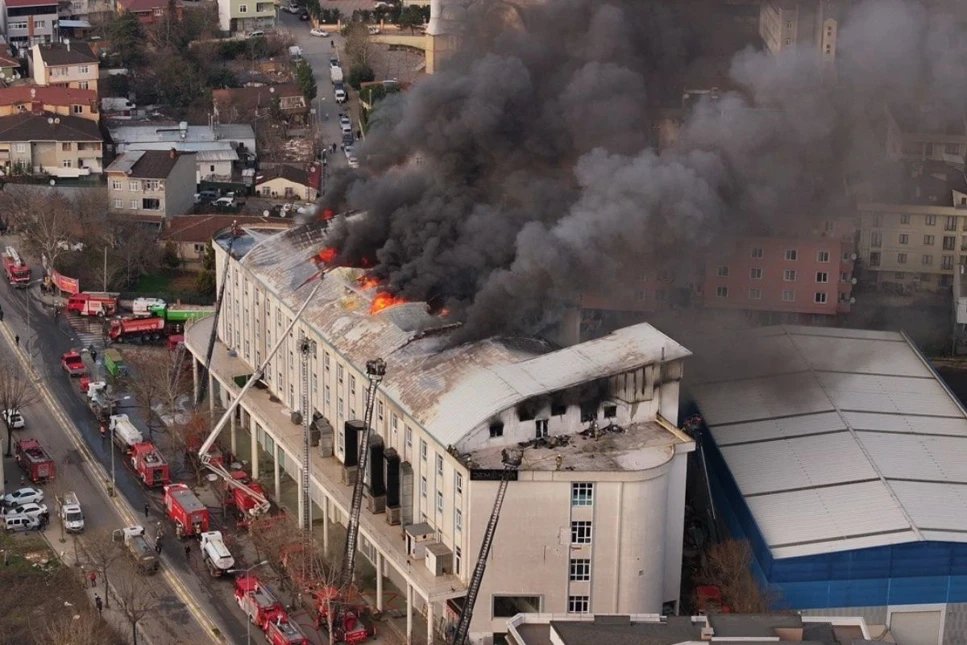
x: 811, y: 25
x: 914, y: 241
x: 66, y: 64
x: 245, y: 104
x: 29, y: 22
x: 47, y: 144
x: 244, y: 16
x: 63, y: 101
x: 151, y: 184
x: 593, y: 516
x: 805, y: 279
x: 922, y: 134
x: 148, y: 12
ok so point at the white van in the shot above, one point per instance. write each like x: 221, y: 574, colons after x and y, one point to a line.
x: 71, y: 515
x: 295, y: 52
x: 21, y: 522
x: 139, y: 306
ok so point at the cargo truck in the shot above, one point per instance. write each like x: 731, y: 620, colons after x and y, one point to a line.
x: 136, y: 545
x: 93, y: 303
x: 148, y: 462
x: 335, y: 73
x: 34, y: 460
x: 137, y: 330
x: 123, y: 432
x: 17, y: 271
x: 178, y: 313
x: 215, y: 554
x: 185, y: 510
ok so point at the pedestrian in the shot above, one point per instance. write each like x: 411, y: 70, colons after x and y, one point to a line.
x: 157, y: 545
x: 359, y: 134
x: 98, y: 604
x: 147, y: 510
x: 16, y: 339
x: 332, y: 44
x: 92, y: 576
x: 188, y: 552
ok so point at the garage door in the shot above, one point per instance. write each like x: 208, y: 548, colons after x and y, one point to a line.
x: 916, y: 627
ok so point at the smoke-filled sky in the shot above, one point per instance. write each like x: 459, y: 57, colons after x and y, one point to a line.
x: 540, y: 178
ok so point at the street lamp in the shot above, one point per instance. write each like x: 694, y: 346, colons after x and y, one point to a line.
x: 114, y: 490
x: 248, y: 628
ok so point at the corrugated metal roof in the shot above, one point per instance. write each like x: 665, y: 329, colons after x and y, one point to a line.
x: 839, y: 439
x: 448, y: 390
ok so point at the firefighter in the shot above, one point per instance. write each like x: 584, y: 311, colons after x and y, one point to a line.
x: 1, y: 314
x: 157, y: 545
x: 92, y: 576
x: 98, y: 603
x: 103, y: 431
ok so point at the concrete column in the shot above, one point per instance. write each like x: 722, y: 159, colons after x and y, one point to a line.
x: 325, y: 524
x: 255, y: 447
x: 232, y: 428
x: 278, y: 476
x: 379, y: 581
x: 196, y: 380
x: 429, y: 622
x: 409, y: 614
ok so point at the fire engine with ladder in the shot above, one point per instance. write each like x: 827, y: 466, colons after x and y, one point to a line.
x: 17, y: 271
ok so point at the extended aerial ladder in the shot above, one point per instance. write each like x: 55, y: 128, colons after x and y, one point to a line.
x: 203, y: 456
x: 463, y: 624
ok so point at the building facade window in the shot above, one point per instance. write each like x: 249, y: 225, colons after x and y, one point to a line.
x: 901, y: 258
x: 409, y: 436
x: 822, y: 277
x: 788, y: 295
x: 820, y: 297
x: 722, y: 292
x: 822, y: 256
x: 947, y: 262
x: 541, y: 425
x: 439, y: 465
x: 582, y: 494
x: 927, y: 260
x: 457, y: 520
x: 423, y: 486
x: 903, y: 238
x: 755, y: 273
x: 949, y: 242
x: 722, y: 271
x: 755, y: 294
x: 875, y: 259
x: 580, y: 570
x: 876, y: 239
x: 118, y: 203
x: 422, y: 449
x: 791, y: 255
x: 951, y: 223
x: 457, y: 559
x: 458, y: 483
x: 789, y: 275
x: 115, y: 184
x: 578, y: 604
x: 929, y: 220
x: 904, y: 218
x: 757, y: 252
x: 581, y: 532
x: 439, y: 501
x: 927, y: 240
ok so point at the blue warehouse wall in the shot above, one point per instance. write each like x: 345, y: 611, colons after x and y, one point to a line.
x: 912, y: 573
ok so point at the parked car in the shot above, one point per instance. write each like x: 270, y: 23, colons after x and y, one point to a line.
x: 206, y: 196
x: 374, y: 30
x: 291, y: 8
x: 13, y: 419
x: 304, y: 16
x: 340, y: 95
x: 33, y: 509
x: 347, y: 138
x: 258, y: 33
x: 333, y: 62
x: 381, y: 4
x: 345, y: 120
x: 353, y: 161
x: 315, y: 31
x: 350, y: 151
x: 23, y: 496
x: 21, y: 523
x: 224, y: 202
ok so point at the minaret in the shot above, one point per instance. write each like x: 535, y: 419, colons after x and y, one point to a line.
x: 442, y: 31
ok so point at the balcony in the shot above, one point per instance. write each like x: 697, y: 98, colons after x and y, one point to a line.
x: 325, y: 472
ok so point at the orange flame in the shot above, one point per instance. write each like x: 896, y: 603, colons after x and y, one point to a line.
x: 368, y: 282
x: 384, y: 300
x: 327, y: 255
x: 444, y: 312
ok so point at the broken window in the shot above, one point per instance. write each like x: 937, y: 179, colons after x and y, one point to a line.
x: 610, y: 411
x: 541, y: 428
x: 496, y: 429
x: 589, y: 412
x: 558, y: 408
x: 527, y: 411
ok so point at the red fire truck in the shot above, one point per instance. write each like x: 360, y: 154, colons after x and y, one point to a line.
x: 284, y: 631
x: 137, y: 330
x: 185, y: 510
x: 34, y: 460
x: 256, y: 601
x: 93, y: 303
x: 244, y: 500
x: 150, y: 465
x: 18, y: 273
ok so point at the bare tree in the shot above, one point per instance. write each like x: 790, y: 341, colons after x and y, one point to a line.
x: 103, y: 553
x: 44, y: 218
x: 77, y: 626
x: 137, y: 601
x: 16, y: 393
x: 728, y: 567
x: 147, y: 382
x: 359, y: 48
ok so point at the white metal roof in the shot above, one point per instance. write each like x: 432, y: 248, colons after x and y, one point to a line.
x: 838, y: 439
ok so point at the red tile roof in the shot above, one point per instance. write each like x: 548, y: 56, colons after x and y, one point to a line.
x: 48, y: 95
x: 31, y: 3
x: 141, y: 6
x: 202, y: 228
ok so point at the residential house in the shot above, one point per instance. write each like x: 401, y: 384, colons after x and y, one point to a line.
x: 45, y: 143
x: 244, y: 16
x: 29, y: 22
x: 9, y: 68
x: 808, y: 25
x: 284, y: 181
x: 785, y: 279
x: 63, y: 101
x: 913, y: 236
x: 188, y: 236
x: 69, y: 64
x: 923, y: 134
x: 248, y: 103
x: 152, y: 184
x: 147, y: 11
x: 83, y: 11
x: 220, y: 147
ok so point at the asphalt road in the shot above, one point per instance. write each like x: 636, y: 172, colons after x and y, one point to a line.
x: 44, y: 340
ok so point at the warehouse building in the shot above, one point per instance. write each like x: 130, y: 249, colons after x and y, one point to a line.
x: 592, y: 521
x: 839, y: 454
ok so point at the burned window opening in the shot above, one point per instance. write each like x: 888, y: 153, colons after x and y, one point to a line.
x: 589, y: 412
x: 610, y: 411
x: 528, y: 410
x: 496, y: 429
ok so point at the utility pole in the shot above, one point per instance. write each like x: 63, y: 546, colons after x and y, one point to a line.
x: 105, y: 270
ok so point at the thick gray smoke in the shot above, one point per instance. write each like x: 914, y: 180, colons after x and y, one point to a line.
x: 539, y: 176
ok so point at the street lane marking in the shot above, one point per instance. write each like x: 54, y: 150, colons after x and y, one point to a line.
x: 124, y: 509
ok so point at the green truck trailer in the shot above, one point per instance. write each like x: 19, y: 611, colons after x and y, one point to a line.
x: 181, y: 313
x: 114, y: 364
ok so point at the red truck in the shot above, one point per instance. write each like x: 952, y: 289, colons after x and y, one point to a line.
x: 93, y: 303
x: 351, y: 622
x: 257, y: 602
x: 72, y: 363
x: 137, y: 330
x: 185, y: 510
x: 18, y: 273
x: 243, y: 501
x: 149, y: 464
x: 284, y: 631
x: 34, y: 460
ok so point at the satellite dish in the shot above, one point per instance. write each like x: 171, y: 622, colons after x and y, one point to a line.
x: 265, y: 213
x: 852, y: 301
x: 852, y: 256
x: 50, y: 121
x: 52, y: 182
x: 56, y: 120
x: 853, y: 281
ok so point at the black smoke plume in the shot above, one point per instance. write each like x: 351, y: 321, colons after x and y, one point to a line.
x: 526, y: 171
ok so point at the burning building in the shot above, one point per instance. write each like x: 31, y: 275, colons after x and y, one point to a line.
x: 593, y: 519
